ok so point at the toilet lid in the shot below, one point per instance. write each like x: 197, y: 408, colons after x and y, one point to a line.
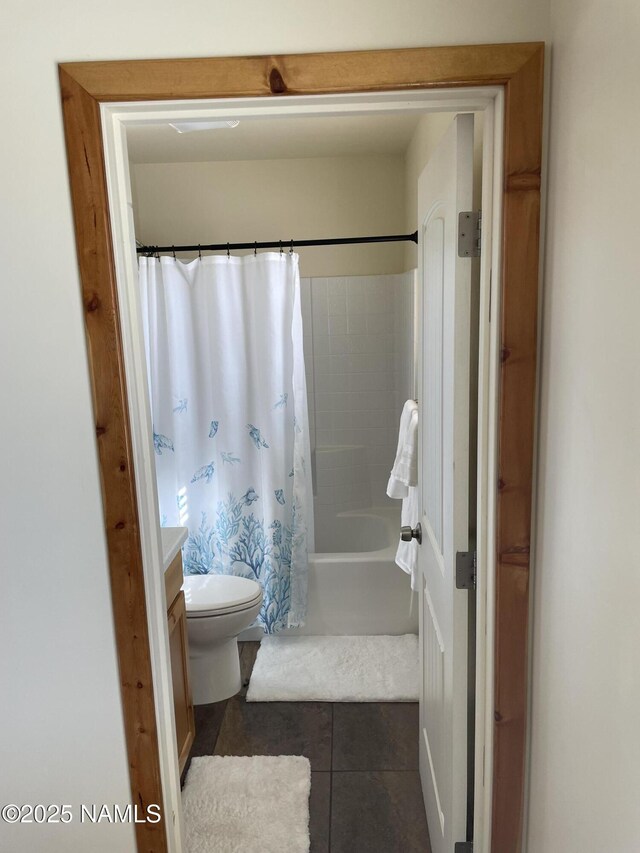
x: 219, y: 593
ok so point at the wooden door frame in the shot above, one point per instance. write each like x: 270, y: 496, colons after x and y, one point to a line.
x: 516, y: 67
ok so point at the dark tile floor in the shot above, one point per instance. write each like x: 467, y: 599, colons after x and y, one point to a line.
x: 365, y: 786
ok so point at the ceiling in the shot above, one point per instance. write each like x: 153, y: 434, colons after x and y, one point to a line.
x: 275, y: 139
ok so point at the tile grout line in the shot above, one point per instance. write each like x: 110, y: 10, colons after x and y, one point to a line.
x: 331, y: 775
x: 224, y: 714
x: 387, y: 770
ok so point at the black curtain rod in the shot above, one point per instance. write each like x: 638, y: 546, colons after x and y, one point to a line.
x: 280, y: 244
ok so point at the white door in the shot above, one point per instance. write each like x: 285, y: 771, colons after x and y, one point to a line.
x: 444, y: 189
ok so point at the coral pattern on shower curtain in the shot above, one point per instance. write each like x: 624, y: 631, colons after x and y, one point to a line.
x: 228, y: 397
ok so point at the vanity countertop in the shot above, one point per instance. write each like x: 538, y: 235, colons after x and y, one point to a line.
x: 173, y: 538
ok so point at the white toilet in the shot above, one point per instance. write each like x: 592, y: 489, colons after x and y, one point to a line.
x: 219, y: 607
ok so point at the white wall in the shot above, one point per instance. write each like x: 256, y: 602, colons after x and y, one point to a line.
x: 585, y: 774
x: 61, y: 729
x: 236, y: 201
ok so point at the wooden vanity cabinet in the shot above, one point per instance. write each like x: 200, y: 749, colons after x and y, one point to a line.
x: 179, y: 651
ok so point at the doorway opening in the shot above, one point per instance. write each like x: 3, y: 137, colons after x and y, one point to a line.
x: 291, y: 176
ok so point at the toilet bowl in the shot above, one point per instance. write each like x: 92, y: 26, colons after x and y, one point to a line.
x: 218, y: 607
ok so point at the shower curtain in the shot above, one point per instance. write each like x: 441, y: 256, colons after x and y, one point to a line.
x: 230, y: 422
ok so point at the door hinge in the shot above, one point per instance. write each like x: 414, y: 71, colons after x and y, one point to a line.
x: 469, y: 233
x: 466, y: 563
x: 463, y: 847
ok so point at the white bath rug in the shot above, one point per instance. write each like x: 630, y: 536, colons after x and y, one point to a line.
x: 251, y: 804
x: 336, y: 669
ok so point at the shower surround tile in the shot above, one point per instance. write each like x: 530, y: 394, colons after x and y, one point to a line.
x: 359, y: 331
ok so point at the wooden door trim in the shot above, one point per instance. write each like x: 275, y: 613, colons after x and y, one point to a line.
x: 516, y: 67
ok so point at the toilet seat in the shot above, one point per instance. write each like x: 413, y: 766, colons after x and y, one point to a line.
x: 217, y: 595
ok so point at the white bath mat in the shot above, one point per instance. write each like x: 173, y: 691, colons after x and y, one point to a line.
x: 336, y: 669
x: 247, y: 805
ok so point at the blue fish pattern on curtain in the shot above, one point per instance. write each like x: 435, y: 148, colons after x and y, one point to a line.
x: 229, y: 408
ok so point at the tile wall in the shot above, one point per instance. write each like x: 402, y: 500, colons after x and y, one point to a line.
x: 359, y: 364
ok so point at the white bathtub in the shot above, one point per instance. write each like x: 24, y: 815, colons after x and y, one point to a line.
x: 355, y: 587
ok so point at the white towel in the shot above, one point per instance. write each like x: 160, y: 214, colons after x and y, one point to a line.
x: 402, y: 484
x: 407, y: 553
x: 405, y: 468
